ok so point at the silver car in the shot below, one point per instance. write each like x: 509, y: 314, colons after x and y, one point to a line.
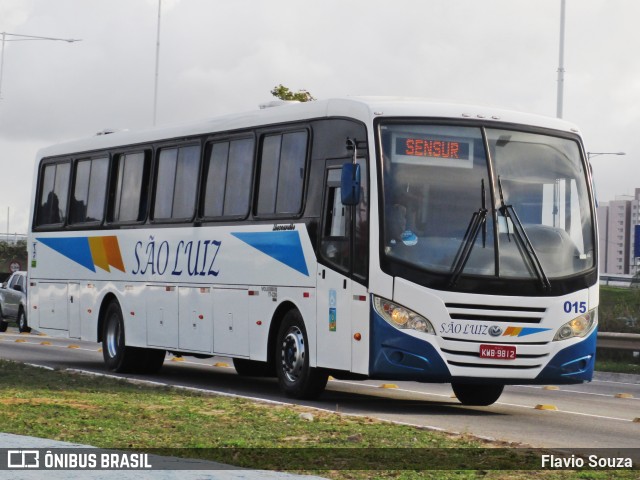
x: 13, y: 302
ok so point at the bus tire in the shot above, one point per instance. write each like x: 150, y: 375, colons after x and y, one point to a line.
x: 3, y: 325
x: 117, y: 356
x: 477, y: 394
x: 253, y: 368
x: 295, y: 377
x: 23, y: 326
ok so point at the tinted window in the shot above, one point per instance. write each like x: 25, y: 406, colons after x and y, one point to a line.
x: 54, y: 191
x: 176, y: 182
x: 87, y: 203
x: 291, y: 178
x: 228, y: 178
x: 282, y: 166
x: 336, y: 233
x: 130, y: 187
x: 269, y: 165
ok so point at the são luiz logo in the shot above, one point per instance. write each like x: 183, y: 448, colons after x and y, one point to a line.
x: 90, y: 252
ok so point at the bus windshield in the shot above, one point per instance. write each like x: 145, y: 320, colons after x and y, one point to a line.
x: 519, y: 210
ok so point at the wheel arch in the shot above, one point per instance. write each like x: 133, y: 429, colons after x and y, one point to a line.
x: 276, y: 320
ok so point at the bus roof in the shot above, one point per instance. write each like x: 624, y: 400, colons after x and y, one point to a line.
x: 360, y: 108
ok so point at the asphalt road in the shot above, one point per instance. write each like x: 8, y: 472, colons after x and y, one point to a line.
x: 602, y: 414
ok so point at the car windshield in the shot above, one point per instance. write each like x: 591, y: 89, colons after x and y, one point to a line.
x: 443, y: 212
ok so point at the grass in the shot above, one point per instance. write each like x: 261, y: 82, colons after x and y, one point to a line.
x: 616, y: 304
x: 108, y: 413
x: 617, y: 366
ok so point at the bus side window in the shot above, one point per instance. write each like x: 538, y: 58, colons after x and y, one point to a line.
x: 90, y: 188
x: 228, y: 169
x: 175, y: 183
x: 129, y: 188
x: 282, y: 173
x: 54, y: 190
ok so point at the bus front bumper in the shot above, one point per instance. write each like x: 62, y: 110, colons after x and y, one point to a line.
x: 397, y: 355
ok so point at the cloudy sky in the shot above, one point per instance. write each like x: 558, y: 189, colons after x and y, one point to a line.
x: 223, y: 56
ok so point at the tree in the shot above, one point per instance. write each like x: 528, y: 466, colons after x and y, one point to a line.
x: 283, y: 93
x: 10, y: 252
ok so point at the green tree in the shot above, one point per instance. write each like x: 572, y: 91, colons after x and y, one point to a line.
x: 284, y: 93
x: 10, y: 252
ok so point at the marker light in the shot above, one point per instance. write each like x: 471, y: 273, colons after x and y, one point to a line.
x: 401, y: 317
x: 578, y: 327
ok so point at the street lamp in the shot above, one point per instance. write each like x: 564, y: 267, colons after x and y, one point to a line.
x: 15, y: 37
x: 596, y: 154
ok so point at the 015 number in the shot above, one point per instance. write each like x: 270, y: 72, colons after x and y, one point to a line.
x: 575, y: 307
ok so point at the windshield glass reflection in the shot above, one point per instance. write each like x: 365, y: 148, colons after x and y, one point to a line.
x: 437, y: 185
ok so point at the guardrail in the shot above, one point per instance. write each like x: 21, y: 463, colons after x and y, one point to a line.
x: 618, y: 280
x: 619, y: 341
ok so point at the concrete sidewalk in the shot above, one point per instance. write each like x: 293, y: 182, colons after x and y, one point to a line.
x: 203, y: 470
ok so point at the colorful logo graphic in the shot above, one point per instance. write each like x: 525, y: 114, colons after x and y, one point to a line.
x: 522, y: 331
x: 90, y: 252
x: 284, y: 247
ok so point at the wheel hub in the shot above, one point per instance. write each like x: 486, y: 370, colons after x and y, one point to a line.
x: 293, y: 354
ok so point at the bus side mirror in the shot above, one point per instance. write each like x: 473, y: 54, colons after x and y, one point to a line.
x: 350, y: 184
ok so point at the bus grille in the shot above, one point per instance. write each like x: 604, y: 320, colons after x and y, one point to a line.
x: 495, y: 313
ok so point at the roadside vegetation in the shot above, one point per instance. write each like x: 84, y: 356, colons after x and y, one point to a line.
x: 110, y: 413
x: 619, y: 311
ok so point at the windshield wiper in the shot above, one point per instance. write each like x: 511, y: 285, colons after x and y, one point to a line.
x: 478, y: 221
x: 509, y: 213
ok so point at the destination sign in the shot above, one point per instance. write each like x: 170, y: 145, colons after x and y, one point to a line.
x: 432, y: 148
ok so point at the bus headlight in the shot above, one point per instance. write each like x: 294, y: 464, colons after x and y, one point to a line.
x: 578, y: 327
x: 401, y: 317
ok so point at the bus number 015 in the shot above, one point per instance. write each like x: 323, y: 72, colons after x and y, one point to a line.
x: 576, y: 307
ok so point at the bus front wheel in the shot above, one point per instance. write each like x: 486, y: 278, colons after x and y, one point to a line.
x: 295, y: 377
x: 477, y: 395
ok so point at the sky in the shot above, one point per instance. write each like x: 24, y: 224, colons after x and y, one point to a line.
x: 224, y: 56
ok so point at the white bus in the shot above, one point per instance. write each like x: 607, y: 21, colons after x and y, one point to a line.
x: 359, y: 238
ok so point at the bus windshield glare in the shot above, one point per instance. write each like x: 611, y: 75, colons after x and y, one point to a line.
x: 450, y: 205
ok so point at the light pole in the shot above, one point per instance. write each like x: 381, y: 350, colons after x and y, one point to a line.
x: 15, y: 37
x: 155, y: 86
x: 590, y: 155
x: 560, y: 95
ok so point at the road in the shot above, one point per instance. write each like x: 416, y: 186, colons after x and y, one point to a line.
x: 602, y: 414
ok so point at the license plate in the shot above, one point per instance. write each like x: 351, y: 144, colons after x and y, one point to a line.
x: 498, y: 352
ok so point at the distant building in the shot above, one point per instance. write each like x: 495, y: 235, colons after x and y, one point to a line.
x: 617, y: 222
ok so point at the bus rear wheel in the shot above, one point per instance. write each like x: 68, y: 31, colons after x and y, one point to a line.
x: 117, y: 356
x: 477, y: 394
x: 295, y: 377
x: 120, y: 358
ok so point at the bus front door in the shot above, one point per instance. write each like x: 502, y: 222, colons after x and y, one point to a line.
x: 333, y: 326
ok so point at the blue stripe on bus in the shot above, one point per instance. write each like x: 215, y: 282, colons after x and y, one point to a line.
x: 284, y: 247
x: 573, y: 364
x: 74, y: 248
x: 396, y: 355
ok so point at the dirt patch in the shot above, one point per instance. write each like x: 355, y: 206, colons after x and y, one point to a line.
x: 47, y: 401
